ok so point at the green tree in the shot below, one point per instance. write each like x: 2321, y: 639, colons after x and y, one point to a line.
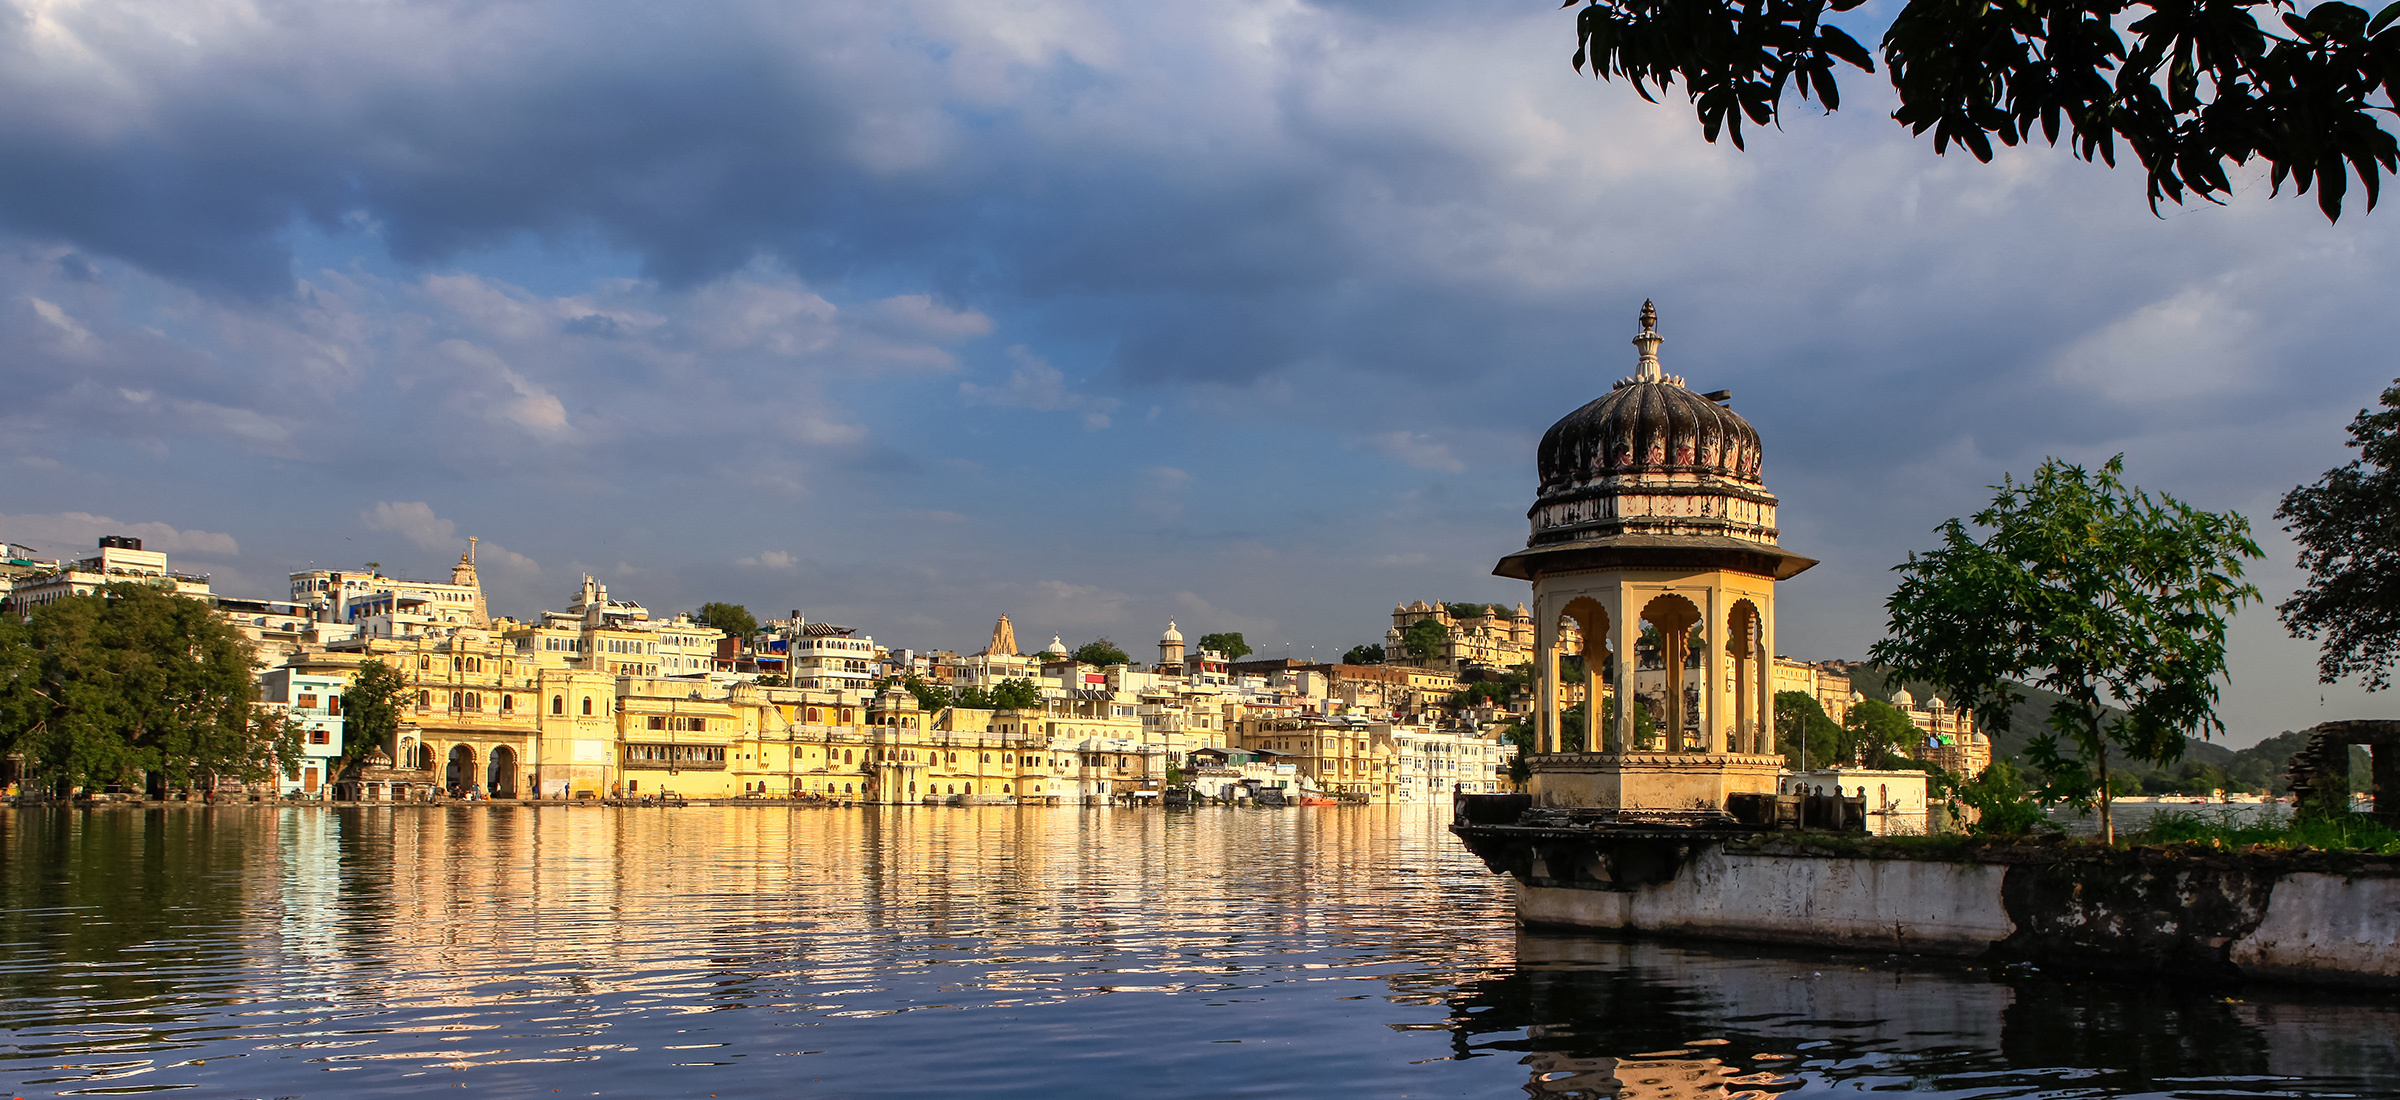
x: 974, y: 698
x: 930, y: 697
x: 1801, y: 722
x: 1874, y: 732
x: 1101, y: 652
x: 1230, y: 644
x: 732, y: 618
x: 371, y: 711
x: 2004, y: 806
x: 2087, y: 588
x: 1016, y: 694
x: 131, y: 680
x: 1363, y: 655
x: 1424, y: 638
x: 2185, y: 90
x: 1468, y: 610
x: 2348, y: 528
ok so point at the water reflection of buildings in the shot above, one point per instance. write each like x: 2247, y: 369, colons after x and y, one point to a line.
x: 1591, y: 1017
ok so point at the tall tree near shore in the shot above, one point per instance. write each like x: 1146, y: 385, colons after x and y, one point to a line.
x: 129, y: 681
x: 2087, y: 588
x: 2348, y: 528
x: 2186, y: 89
x: 371, y: 710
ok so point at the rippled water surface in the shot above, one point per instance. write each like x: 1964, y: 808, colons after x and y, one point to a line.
x: 995, y: 952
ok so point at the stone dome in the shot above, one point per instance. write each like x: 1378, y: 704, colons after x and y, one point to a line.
x: 1651, y: 458
x: 1172, y: 634
x: 1647, y: 426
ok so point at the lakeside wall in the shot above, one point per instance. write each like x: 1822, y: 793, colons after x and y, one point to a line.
x: 2310, y: 917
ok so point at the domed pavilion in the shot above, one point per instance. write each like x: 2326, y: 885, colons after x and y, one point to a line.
x: 1654, y: 535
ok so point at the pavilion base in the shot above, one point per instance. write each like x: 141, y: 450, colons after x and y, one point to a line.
x: 1667, y: 786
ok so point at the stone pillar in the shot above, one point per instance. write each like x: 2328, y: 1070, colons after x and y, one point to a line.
x: 1766, y: 677
x: 1713, y: 692
x: 1595, y: 717
x: 1624, y: 628
x: 1545, y: 678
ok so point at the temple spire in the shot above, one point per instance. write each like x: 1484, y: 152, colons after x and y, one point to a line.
x: 1648, y: 341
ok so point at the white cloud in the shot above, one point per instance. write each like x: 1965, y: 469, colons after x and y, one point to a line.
x: 1418, y: 450
x: 1034, y: 384
x: 1065, y: 606
x: 412, y: 520
x: 76, y: 534
x: 770, y: 559
x: 2195, y: 343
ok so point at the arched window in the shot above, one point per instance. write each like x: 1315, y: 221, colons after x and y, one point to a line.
x: 424, y: 700
x: 954, y: 758
x: 658, y: 723
x: 474, y: 664
x: 424, y: 664
x: 508, y: 704
x: 1006, y: 788
x: 847, y: 759
x: 474, y: 701
x: 458, y: 664
x: 587, y: 706
x: 845, y: 788
x: 558, y: 704
x: 815, y: 716
x: 970, y: 788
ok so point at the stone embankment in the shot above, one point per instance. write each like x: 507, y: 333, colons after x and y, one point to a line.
x: 2315, y: 917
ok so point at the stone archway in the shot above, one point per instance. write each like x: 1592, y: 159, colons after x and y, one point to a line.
x: 1753, y: 728
x: 460, y: 775
x: 1592, y: 623
x: 1674, y: 617
x: 500, y: 780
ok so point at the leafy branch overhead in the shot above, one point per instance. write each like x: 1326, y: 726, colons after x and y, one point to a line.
x: 2188, y: 89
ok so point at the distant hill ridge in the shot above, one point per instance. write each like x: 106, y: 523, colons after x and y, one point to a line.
x: 2261, y: 765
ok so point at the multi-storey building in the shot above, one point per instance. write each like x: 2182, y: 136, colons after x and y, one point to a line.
x: 392, y: 606
x: 312, y: 702
x: 1431, y: 762
x: 1340, y: 756
x: 120, y: 560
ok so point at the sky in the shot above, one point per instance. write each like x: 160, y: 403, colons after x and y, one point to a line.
x: 910, y: 313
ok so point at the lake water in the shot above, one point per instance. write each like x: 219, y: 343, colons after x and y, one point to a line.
x: 736, y: 952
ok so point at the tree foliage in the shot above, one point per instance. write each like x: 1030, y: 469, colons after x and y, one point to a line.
x: 1363, y: 655
x: 1015, y: 694
x: 104, y: 688
x: 1101, y: 652
x: 1875, y: 734
x: 371, y: 710
x: 732, y: 618
x: 2348, y: 528
x: 2087, y: 588
x: 1425, y: 638
x: 1230, y: 644
x: 1801, y: 723
x: 2186, y: 88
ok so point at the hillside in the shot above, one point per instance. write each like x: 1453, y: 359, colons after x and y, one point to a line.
x: 2027, y: 717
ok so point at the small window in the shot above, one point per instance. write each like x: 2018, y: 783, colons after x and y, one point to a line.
x: 587, y: 706
x: 333, y: 704
x: 424, y: 700
x: 508, y: 704
x: 558, y: 704
x: 320, y: 737
x: 308, y: 699
x: 424, y: 664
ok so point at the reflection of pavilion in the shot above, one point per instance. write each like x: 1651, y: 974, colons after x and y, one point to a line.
x: 1653, y: 532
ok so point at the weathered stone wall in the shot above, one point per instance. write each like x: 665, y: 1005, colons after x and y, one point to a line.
x: 2321, y: 920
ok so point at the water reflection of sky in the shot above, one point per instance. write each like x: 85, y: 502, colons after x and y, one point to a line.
x: 994, y: 952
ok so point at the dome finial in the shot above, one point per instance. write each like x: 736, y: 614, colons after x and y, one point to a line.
x: 1648, y: 341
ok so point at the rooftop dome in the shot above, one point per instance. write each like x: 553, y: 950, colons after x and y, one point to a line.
x: 1652, y: 458
x: 1172, y: 634
x: 1056, y: 648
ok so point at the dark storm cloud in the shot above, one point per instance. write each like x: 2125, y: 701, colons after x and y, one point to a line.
x: 1248, y: 310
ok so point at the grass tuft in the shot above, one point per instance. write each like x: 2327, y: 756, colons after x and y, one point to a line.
x: 2337, y: 833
